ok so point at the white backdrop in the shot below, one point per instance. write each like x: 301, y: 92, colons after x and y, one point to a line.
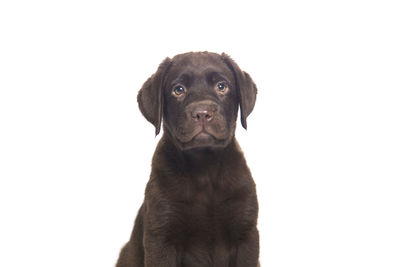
x: 322, y: 142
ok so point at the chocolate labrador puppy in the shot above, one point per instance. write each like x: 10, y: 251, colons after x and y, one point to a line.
x: 200, y: 206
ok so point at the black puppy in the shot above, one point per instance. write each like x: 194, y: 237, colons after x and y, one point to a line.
x: 200, y: 206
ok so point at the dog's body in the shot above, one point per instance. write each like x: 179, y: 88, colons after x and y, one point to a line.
x: 200, y: 206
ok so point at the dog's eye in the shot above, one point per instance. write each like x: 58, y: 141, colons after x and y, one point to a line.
x: 221, y: 87
x: 179, y: 90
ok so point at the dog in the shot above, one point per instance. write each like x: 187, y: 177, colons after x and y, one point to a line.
x: 200, y: 206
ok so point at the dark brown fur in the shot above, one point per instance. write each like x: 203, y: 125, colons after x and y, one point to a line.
x: 200, y: 206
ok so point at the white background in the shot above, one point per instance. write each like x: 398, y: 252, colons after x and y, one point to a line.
x: 322, y: 143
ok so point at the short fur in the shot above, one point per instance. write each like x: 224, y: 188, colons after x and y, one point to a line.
x: 200, y: 206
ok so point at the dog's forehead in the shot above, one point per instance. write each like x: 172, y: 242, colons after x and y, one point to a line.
x: 199, y: 63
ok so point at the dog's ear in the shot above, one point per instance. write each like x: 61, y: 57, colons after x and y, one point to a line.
x: 245, y: 87
x: 150, y: 96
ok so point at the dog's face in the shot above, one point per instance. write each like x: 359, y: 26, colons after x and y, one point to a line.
x: 198, y: 95
x: 200, y: 101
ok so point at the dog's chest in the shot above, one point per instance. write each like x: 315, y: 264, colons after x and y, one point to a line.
x: 209, y: 210
x: 203, y: 215
x: 208, y: 221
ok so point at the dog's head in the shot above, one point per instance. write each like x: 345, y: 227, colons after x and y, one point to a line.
x: 198, y: 95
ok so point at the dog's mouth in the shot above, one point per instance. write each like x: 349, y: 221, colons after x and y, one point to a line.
x: 206, y: 133
x: 203, y: 135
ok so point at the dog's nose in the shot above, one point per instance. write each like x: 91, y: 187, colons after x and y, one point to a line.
x: 202, y: 111
x: 202, y: 114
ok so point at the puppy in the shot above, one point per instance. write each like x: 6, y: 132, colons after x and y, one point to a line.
x: 200, y: 206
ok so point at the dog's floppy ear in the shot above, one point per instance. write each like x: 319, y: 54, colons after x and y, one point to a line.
x: 150, y: 96
x: 247, y: 89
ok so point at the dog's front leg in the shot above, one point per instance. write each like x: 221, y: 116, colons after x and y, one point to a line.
x: 248, y: 251
x: 157, y: 253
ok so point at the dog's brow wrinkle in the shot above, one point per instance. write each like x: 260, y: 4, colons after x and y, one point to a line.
x: 214, y: 75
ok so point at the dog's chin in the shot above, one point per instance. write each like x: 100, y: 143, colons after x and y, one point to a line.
x: 204, y: 140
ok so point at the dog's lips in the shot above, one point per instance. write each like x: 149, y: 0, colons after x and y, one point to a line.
x: 203, y: 135
x: 205, y: 132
